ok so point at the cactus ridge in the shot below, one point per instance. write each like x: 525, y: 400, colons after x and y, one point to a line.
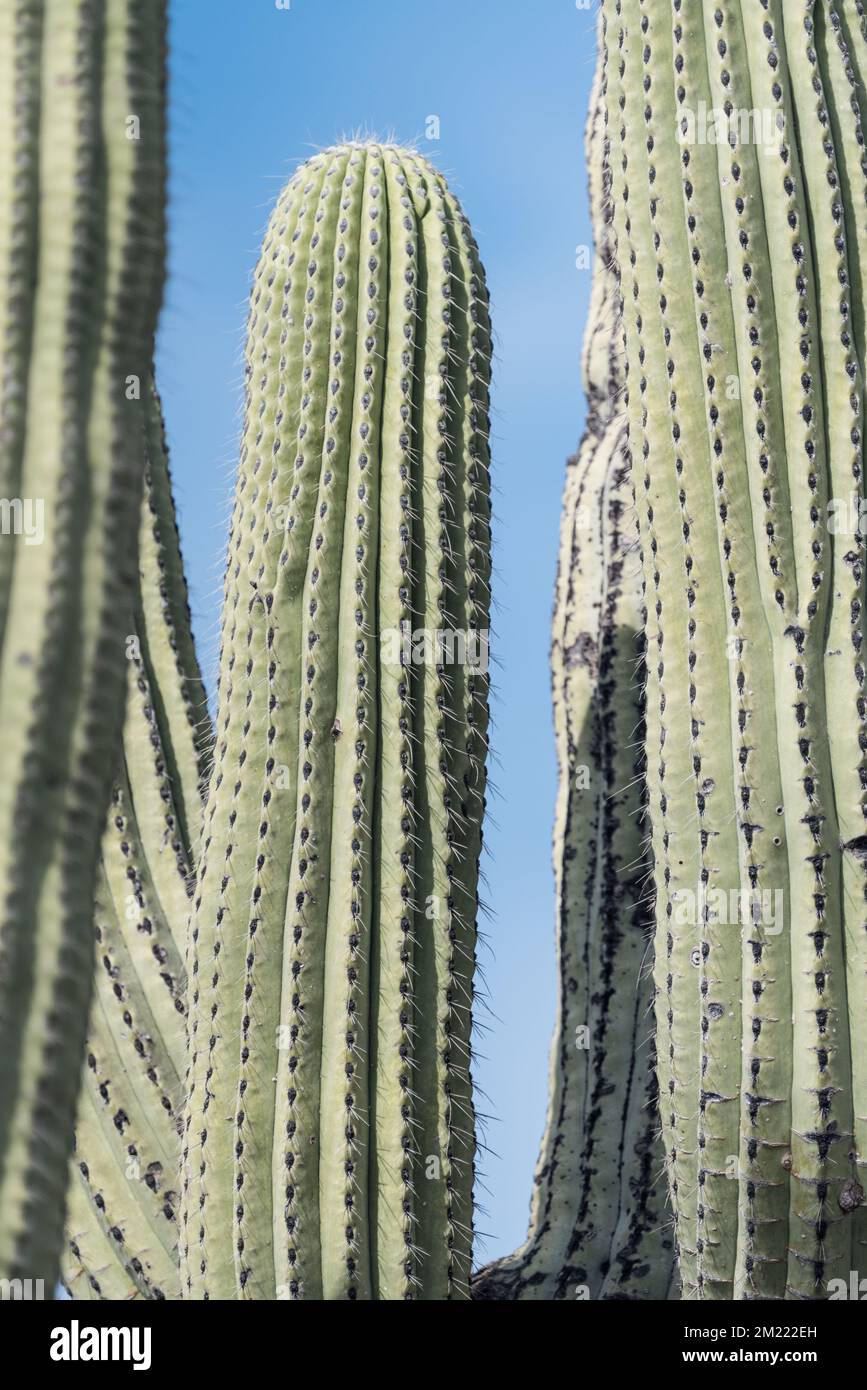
x: 745, y: 418
x: 121, y: 1225
x: 81, y: 253
x: 333, y: 937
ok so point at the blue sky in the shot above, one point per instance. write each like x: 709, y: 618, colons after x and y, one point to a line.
x: 254, y: 90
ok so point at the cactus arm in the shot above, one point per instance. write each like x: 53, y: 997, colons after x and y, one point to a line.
x: 61, y: 687
x: 363, y: 1089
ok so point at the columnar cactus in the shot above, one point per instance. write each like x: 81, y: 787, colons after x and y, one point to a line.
x: 81, y: 253
x: 598, y: 1227
x: 121, y: 1225
x: 735, y: 149
x: 328, y: 1146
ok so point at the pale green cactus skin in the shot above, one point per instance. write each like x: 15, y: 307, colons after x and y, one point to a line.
x: 328, y: 1148
x: 742, y: 264
x: 598, y: 1226
x: 122, y: 1201
x: 81, y: 266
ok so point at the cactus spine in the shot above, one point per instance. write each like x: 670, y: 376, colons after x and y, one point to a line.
x: 81, y: 251
x: 333, y: 936
x: 598, y: 1227
x: 122, y: 1227
x: 742, y: 257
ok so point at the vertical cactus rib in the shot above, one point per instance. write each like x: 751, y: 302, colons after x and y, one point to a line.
x: 331, y: 822
x: 433, y: 864
x: 122, y: 1197
x: 313, y: 517
x: 468, y: 606
x: 669, y: 755
x: 443, y: 998
x: 295, y: 1175
x: 740, y: 246
x: 842, y: 46
x: 90, y: 78
x: 597, y: 1228
x: 838, y: 68
x: 718, y: 965
x: 787, y: 176
x: 345, y: 603
x: 20, y: 42
x: 395, y: 1147
x: 827, y: 1242
x: 741, y: 424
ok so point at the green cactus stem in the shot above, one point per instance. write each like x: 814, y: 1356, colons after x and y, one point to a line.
x: 81, y: 266
x: 738, y: 179
x: 329, y: 1143
x: 122, y: 1221
x: 598, y: 1226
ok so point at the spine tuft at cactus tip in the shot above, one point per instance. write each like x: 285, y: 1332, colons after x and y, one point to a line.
x: 82, y: 174
x: 598, y: 1227
x: 123, y: 1194
x: 328, y: 1142
x: 735, y: 140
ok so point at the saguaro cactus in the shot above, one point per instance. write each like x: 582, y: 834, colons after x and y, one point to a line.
x: 738, y: 177
x: 121, y: 1225
x: 598, y: 1227
x: 328, y: 1137
x: 81, y: 251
